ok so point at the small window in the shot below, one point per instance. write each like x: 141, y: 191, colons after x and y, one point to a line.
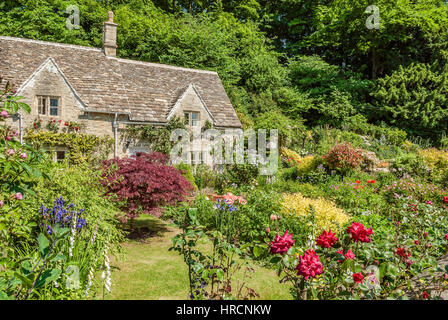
x: 191, y: 118
x: 60, y: 155
x: 48, y: 106
x: 194, y: 119
x: 54, y: 107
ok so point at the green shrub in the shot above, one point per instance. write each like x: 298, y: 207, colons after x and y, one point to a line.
x: 185, y: 169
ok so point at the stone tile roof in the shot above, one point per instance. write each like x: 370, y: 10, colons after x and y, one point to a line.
x: 147, y: 91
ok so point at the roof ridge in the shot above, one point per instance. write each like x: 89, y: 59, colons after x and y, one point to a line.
x: 75, y: 46
x: 161, y: 65
x: 58, y: 44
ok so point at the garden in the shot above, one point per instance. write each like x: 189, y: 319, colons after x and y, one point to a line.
x: 357, y: 210
x: 348, y: 215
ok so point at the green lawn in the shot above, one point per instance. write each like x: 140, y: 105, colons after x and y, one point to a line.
x: 151, y: 272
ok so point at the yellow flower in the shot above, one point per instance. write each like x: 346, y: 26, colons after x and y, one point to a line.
x: 327, y: 214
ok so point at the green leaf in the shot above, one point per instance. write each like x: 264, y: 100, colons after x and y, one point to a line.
x: 220, y: 274
x: 26, y: 282
x: 47, y: 277
x: 258, y: 251
x: 44, y: 245
x: 276, y: 259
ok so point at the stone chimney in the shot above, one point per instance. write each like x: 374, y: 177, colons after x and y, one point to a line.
x: 110, y: 36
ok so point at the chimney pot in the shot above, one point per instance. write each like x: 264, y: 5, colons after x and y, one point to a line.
x: 110, y: 36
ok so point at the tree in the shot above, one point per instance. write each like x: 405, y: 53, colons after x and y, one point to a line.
x: 144, y: 183
x: 414, y: 98
x: 409, y: 32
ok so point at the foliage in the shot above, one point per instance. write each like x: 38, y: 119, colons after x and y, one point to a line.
x: 413, y: 98
x: 158, y: 137
x: 19, y: 173
x: 185, y: 169
x: 143, y: 183
x: 343, y: 157
x: 82, y: 148
x: 326, y: 214
x: 210, y: 275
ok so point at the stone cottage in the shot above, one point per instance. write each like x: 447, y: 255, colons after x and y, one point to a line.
x: 104, y: 94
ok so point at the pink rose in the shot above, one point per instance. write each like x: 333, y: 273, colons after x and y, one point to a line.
x: 19, y: 196
x: 4, y: 114
x: 24, y: 155
x: 349, y: 255
x: 1, y: 203
x: 10, y: 152
x: 273, y: 217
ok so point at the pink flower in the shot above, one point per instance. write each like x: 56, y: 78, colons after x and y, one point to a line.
x: 19, y: 196
x: 4, y: 114
x: 282, y: 244
x: 326, y: 239
x: 8, y: 137
x: 309, y: 265
x: 273, y: 217
x: 349, y: 255
x: 10, y: 152
x: 429, y: 202
x: 24, y: 155
x: 1, y: 203
x: 268, y: 230
x: 359, y: 232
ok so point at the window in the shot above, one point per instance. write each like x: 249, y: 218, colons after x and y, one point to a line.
x: 54, y: 107
x: 48, y: 106
x: 191, y: 118
x: 60, y: 155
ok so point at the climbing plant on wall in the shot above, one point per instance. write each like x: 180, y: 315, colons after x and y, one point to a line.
x: 81, y: 147
x: 158, y: 137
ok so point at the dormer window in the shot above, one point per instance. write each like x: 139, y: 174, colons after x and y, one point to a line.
x: 191, y: 118
x: 49, y: 106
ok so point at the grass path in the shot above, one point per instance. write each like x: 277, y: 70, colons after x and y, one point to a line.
x: 151, y: 272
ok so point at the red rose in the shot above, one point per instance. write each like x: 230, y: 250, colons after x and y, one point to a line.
x: 66, y: 124
x: 417, y: 242
x: 446, y: 237
x: 358, y: 277
x: 326, y: 239
x: 359, y: 232
x: 282, y: 244
x: 425, y: 295
x: 371, y: 181
x: 358, y: 182
x: 309, y: 265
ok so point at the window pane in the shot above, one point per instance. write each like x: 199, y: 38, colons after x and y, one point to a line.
x: 53, y: 111
x: 187, y: 118
x: 42, y: 106
x: 194, y: 119
x: 54, y: 102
